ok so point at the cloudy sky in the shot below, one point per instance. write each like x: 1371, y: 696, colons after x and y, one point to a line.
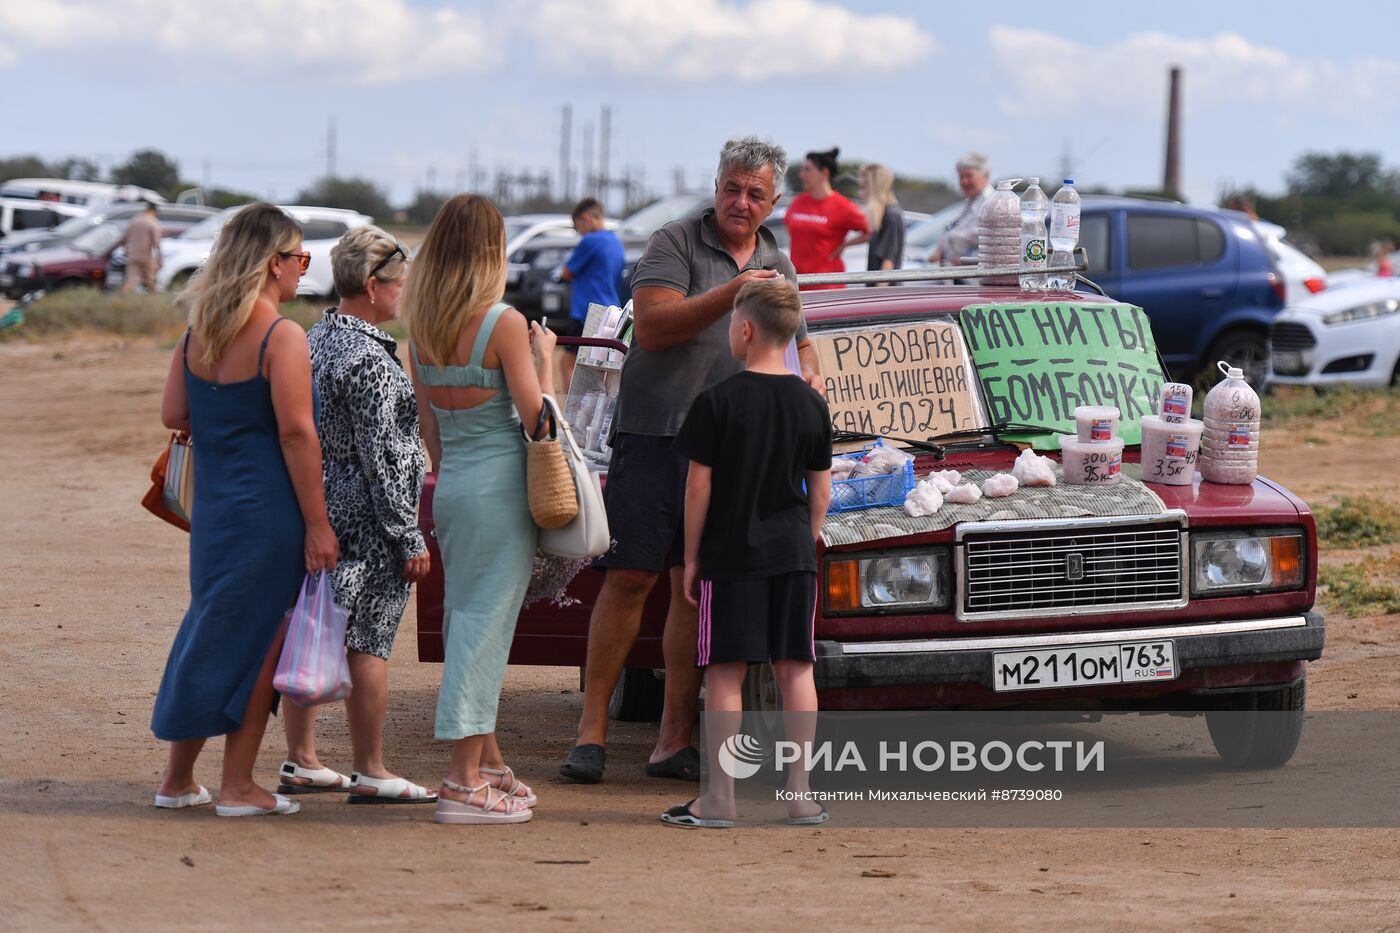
x: 416, y: 86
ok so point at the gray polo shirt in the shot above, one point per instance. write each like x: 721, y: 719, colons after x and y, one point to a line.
x: 658, y: 386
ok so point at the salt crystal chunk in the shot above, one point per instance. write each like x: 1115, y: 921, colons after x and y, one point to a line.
x: 953, y: 477
x: 1000, y: 485
x: 965, y: 494
x: 1032, y: 470
x: 885, y: 459
x: 923, y: 499
x: 841, y: 467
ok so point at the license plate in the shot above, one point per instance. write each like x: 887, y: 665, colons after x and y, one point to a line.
x: 550, y: 301
x: 1288, y: 362
x: 1128, y: 663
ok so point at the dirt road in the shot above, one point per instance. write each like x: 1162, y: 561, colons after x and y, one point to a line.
x: 92, y: 589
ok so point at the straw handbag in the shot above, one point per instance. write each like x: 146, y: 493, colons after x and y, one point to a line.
x: 171, y: 496
x: 549, y: 481
x: 587, y: 534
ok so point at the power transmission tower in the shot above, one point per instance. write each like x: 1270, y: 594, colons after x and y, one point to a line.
x: 565, y: 169
x: 330, y: 149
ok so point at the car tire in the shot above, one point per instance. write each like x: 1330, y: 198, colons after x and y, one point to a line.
x: 179, y: 280
x: 1259, y: 729
x: 1247, y: 349
x: 638, y: 696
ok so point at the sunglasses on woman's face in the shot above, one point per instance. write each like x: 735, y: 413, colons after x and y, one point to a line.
x: 303, y: 258
x: 396, y: 251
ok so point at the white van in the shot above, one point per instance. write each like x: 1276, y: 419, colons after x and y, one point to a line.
x: 83, y: 193
x: 18, y: 214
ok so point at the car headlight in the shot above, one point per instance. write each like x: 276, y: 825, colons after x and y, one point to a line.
x: 891, y: 581
x: 1363, y: 313
x: 1252, y: 562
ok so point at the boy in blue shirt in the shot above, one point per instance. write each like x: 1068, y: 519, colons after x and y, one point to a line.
x: 595, y: 266
x: 750, y: 537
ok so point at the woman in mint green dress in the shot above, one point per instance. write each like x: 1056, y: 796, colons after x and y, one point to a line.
x: 479, y: 370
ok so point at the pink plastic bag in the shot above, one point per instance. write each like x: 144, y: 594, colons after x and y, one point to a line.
x: 313, y: 669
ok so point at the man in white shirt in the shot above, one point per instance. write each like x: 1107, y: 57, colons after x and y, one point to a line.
x: 960, y: 239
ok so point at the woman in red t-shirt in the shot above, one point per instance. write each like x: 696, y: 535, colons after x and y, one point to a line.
x: 820, y: 218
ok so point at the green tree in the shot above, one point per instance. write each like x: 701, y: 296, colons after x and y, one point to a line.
x: 78, y: 169
x: 149, y: 168
x: 1335, y: 176
x: 424, y: 206
x: 355, y: 194
x: 26, y: 166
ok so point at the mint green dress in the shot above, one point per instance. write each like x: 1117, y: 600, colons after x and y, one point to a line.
x: 486, y: 536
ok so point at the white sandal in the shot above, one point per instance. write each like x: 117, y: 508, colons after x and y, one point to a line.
x: 388, y: 790
x: 322, y: 780
x: 281, y: 806
x: 459, y: 811
x: 198, y: 798
x: 511, y: 786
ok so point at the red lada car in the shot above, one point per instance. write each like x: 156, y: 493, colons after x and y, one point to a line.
x: 1204, y: 603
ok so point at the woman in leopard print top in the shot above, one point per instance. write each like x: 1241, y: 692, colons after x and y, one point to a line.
x: 374, y: 465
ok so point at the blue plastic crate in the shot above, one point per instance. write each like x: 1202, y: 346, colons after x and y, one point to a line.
x: 864, y: 492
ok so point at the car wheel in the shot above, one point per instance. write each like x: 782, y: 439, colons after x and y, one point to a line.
x: 1247, y: 349
x: 179, y: 280
x: 1259, y: 729
x: 638, y: 696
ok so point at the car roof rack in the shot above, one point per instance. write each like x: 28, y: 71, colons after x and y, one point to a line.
x: 954, y: 274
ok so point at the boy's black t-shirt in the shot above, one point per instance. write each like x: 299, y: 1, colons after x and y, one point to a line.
x: 760, y: 434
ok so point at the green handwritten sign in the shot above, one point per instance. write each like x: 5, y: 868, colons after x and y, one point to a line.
x: 1038, y: 362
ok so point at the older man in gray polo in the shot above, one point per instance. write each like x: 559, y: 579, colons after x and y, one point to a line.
x: 959, y: 241
x: 682, y: 296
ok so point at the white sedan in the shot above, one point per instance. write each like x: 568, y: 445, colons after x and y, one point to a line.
x: 321, y: 228
x: 1347, y: 334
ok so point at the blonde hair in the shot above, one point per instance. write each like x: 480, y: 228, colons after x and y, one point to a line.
x: 458, y: 272
x: 360, y: 250
x: 773, y: 306
x: 881, y: 193
x: 221, y: 296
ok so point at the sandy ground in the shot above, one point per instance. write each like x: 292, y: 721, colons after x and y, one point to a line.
x: 92, y: 589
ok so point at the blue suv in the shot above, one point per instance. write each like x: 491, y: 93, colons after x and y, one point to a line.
x: 1204, y: 276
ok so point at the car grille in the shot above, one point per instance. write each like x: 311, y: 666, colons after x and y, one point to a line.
x: 1072, y: 571
x: 1288, y: 336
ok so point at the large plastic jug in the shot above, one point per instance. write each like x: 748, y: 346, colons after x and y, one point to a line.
x: 1230, y: 441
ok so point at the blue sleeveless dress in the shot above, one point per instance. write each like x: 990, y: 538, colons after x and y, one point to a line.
x: 246, y: 557
x: 486, y: 536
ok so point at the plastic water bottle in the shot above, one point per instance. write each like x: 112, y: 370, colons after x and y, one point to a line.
x: 1230, y: 441
x: 999, y: 232
x: 1064, y: 234
x: 1034, y: 207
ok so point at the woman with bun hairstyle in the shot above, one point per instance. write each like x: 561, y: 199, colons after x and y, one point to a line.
x: 820, y: 218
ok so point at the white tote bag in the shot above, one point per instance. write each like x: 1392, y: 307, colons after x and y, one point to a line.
x: 587, y: 535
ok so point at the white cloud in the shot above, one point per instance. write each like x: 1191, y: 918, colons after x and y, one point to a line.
x: 713, y: 39
x: 1052, y: 76
x: 354, y: 41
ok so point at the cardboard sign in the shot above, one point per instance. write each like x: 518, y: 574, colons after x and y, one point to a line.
x: 900, y: 380
x: 1038, y: 362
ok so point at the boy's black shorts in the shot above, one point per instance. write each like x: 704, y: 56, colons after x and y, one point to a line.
x: 757, y: 619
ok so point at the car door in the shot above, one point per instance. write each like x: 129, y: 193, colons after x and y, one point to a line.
x: 1180, y: 267
x: 1098, y: 233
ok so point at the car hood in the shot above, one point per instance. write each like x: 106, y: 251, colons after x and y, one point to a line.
x: 27, y: 240
x: 50, y: 255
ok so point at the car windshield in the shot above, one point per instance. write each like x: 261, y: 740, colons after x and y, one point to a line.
x: 76, y: 225
x: 658, y: 213
x: 208, y: 228
x: 925, y: 233
x: 101, y: 239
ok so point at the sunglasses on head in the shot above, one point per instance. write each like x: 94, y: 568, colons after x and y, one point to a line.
x: 303, y: 258
x: 396, y: 251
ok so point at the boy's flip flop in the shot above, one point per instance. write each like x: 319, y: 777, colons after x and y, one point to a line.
x: 322, y: 780
x: 816, y: 819
x: 680, y: 815
x: 584, y: 763
x: 684, y: 765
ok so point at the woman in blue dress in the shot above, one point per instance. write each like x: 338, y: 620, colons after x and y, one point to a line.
x: 479, y: 369
x: 241, y: 385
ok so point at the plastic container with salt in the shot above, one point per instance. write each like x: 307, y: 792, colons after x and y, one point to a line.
x: 1169, y: 450
x: 1230, y: 441
x: 1175, y: 405
x: 1096, y: 424
x: 1095, y: 463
